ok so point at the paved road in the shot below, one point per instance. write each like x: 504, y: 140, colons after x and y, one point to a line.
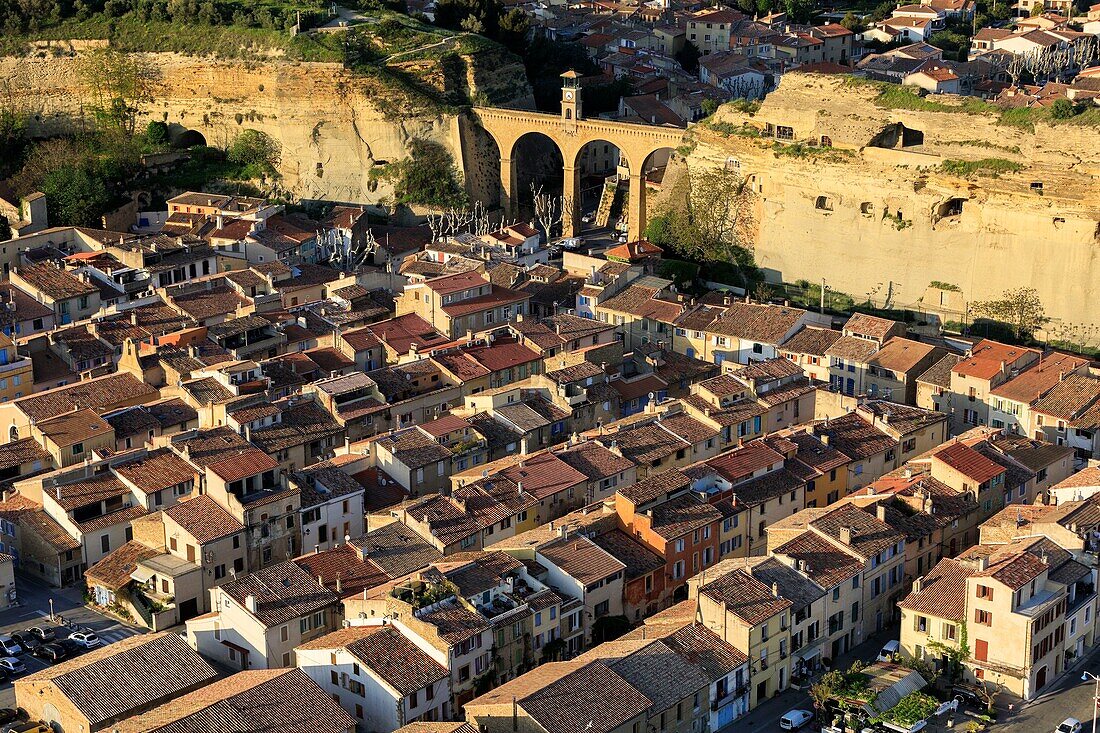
x: 34, y: 610
x: 1068, y: 698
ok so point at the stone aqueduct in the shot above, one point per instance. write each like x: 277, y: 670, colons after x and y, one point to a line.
x: 570, y: 132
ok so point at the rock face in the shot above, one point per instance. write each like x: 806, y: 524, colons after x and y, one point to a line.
x: 333, y: 125
x: 880, y: 213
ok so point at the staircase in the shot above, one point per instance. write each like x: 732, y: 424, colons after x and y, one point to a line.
x: 608, y: 198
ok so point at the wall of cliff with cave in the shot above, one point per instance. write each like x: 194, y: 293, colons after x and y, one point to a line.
x: 879, y: 206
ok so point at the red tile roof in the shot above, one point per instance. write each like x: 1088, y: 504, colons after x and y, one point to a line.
x: 969, y: 462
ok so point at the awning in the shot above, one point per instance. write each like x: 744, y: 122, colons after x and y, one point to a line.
x: 142, y: 575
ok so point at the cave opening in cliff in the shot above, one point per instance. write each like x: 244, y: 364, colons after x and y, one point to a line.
x: 190, y: 138
x: 539, y: 166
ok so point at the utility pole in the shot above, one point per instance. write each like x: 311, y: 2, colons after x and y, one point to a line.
x: 822, y: 296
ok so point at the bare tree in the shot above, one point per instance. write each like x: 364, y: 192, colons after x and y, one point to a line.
x: 550, y: 211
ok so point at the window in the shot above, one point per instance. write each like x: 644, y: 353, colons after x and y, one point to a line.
x: 78, y: 448
x: 985, y: 618
x: 105, y: 543
x: 981, y: 650
x: 949, y: 631
x: 984, y: 591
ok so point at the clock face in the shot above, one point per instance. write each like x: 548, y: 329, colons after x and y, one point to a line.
x: 569, y: 95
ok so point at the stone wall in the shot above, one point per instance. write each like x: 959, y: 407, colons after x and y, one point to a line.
x: 329, y: 122
x: 834, y: 215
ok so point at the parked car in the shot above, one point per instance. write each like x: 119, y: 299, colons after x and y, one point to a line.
x: 8, y: 715
x: 889, y: 651
x: 85, y: 639
x: 70, y: 646
x: 43, y: 633
x: 12, y: 665
x: 52, y: 653
x: 965, y: 694
x: 9, y: 647
x: 1069, y: 725
x: 795, y: 719
x: 25, y: 640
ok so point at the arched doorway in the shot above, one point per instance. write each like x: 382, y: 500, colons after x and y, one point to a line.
x: 190, y: 138
x: 13, y: 434
x: 1041, y: 678
x: 538, y: 165
x: 602, y: 173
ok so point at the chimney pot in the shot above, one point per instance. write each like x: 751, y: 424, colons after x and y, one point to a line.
x: 846, y: 535
x: 250, y: 603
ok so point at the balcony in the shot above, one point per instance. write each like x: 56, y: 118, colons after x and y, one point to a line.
x: 18, y: 364
x: 731, y: 696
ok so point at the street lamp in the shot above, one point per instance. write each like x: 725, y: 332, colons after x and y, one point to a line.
x: 1085, y: 677
x: 52, y: 617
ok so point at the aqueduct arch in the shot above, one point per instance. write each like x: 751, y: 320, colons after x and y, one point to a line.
x: 570, y: 131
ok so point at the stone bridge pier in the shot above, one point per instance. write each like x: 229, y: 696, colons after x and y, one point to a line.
x: 571, y: 132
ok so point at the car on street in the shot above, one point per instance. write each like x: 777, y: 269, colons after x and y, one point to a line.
x: 85, y: 639
x: 966, y: 694
x: 42, y: 633
x: 52, y: 653
x: 1069, y: 725
x: 12, y: 665
x: 8, y: 715
x: 795, y: 719
x: 70, y: 646
x: 9, y: 647
x: 889, y: 651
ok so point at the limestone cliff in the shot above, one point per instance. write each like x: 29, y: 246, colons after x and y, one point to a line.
x: 899, y: 200
x: 333, y: 125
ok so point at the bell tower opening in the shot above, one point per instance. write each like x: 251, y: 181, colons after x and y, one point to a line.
x: 570, y: 100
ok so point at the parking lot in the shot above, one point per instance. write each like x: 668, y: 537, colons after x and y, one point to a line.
x: 34, y: 610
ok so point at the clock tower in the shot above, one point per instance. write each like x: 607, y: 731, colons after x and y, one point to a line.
x: 570, y: 100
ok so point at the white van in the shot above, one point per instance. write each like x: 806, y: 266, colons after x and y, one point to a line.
x: 889, y: 651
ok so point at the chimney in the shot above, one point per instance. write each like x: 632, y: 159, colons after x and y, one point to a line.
x: 339, y: 583
x: 250, y: 603
x: 846, y: 535
x: 918, y: 584
x: 775, y: 589
x: 880, y: 512
x: 824, y: 438
x: 133, y: 318
x: 983, y: 562
x: 219, y: 221
x: 469, y: 335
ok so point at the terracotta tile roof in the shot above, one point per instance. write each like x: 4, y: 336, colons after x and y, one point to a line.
x: 248, y: 702
x: 114, y: 570
x: 853, y: 348
x: 683, y: 515
x: 639, y: 559
x: 825, y: 563
x: 544, y: 474
x: 241, y: 464
x: 204, y: 519
x: 93, y: 490
x: 48, y: 530
x: 301, y: 423
x: 396, y: 549
x: 644, y: 301
x: 208, y: 303
x: 853, y: 436
x: 55, y: 282
x: 817, y: 455
x: 386, y: 652
x: 943, y: 591
x: 745, y: 597
x: 869, y: 535
x: 594, y: 460
x: 1014, y: 569
x: 688, y: 428
x: 593, y: 699
x: 101, y: 393
x: 768, y: 324
x: 969, y: 462
x: 581, y: 559
x: 454, y: 623
x: 457, y: 283
x: 121, y: 517
x: 283, y: 592
x: 157, y: 470
x: 108, y: 684
x: 987, y: 357
x: 24, y: 450
x: 1075, y: 399
x: 864, y: 324
x: 414, y: 449
x: 768, y: 486
x: 744, y: 461
x: 902, y: 355
x: 342, y: 566
x: 473, y: 573
x: 646, y: 443
x: 656, y: 486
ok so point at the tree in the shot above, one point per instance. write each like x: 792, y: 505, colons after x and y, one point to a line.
x: 515, y: 25
x: 799, y: 11
x: 427, y: 177
x: 709, y: 106
x: 256, y: 151
x: 853, y: 22
x: 117, y: 84
x: 688, y: 56
x: 156, y: 133
x: 1062, y: 109
x: 1020, y: 308
x: 550, y: 211
x: 74, y: 197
